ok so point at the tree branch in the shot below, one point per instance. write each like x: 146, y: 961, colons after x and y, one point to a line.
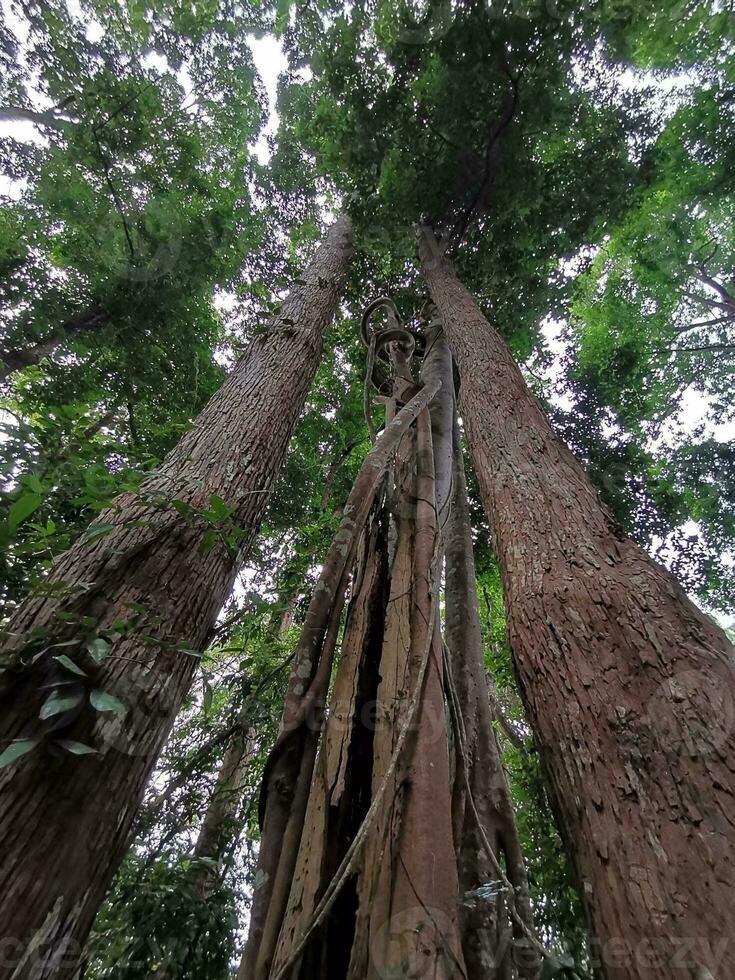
x: 492, y: 144
x: 716, y: 322
x: 708, y: 301
x: 116, y: 199
x: 49, y: 119
x: 714, y: 284
x: 702, y: 347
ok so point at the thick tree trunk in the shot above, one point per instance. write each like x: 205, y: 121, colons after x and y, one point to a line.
x: 628, y: 686
x: 495, y: 946
x: 16, y: 358
x: 372, y: 890
x: 160, y: 574
x: 290, y: 764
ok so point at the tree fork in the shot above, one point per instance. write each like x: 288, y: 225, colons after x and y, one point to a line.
x: 65, y: 819
x: 627, y: 684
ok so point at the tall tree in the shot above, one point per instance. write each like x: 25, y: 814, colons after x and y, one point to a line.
x: 628, y: 685
x: 482, y: 808
x: 98, y: 665
x: 359, y: 874
x: 136, y: 195
x: 495, y: 125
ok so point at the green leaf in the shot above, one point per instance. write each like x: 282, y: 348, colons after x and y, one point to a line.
x: 33, y: 483
x: 207, y: 542
x: 182, y: 507
x: 183, y: 648
x: 102, y: 701
x: 98, y: 649
x: 70, y: 665
x: 76, y: 748
x: 57, y: 703
x: 95, y: 531
x: 23, y: 508
x: 219, y: 508
x: 17, y: 749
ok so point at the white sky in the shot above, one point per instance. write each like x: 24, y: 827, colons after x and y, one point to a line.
x: 270, y: 62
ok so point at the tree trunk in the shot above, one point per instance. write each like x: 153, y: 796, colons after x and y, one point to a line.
x: 16, y: 358
x: 371, y: 891
x: 220, y: 825
x: 218, y: 830
x: 288, y: 770
x: 152, y: 577
x: 488, y: 932
x: 628, y: 686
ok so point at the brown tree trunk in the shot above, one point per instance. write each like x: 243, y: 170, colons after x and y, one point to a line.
x: 160, y: 574
x: 16, y: 358
x: 220, y: 827
x: 287, y: 773
x: 488, y: 932
x: 372, y: 891
x: 628, y: 686
x: 218, y: 830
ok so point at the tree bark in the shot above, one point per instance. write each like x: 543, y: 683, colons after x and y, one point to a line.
x: 64, y: 819
x: 487, y: 931
x: 219, y: 826
x: 14, y: 359
x: 289, y: 766
x: 628, y: 686
x: 375, y: 835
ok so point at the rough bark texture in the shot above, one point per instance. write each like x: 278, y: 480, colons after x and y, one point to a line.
x: 628, y: 686
x: 487, y: 931
x: 340, y: 791
x: 64, y: 819
x: 376, y: 780
x: 16, y: 358
x: 288, y: 770
x: 407, y: 889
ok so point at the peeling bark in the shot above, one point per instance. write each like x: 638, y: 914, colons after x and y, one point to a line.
x: 381, y: 781
x: 290, y: 763
x: 627, y: 684
x: 65, y: 819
